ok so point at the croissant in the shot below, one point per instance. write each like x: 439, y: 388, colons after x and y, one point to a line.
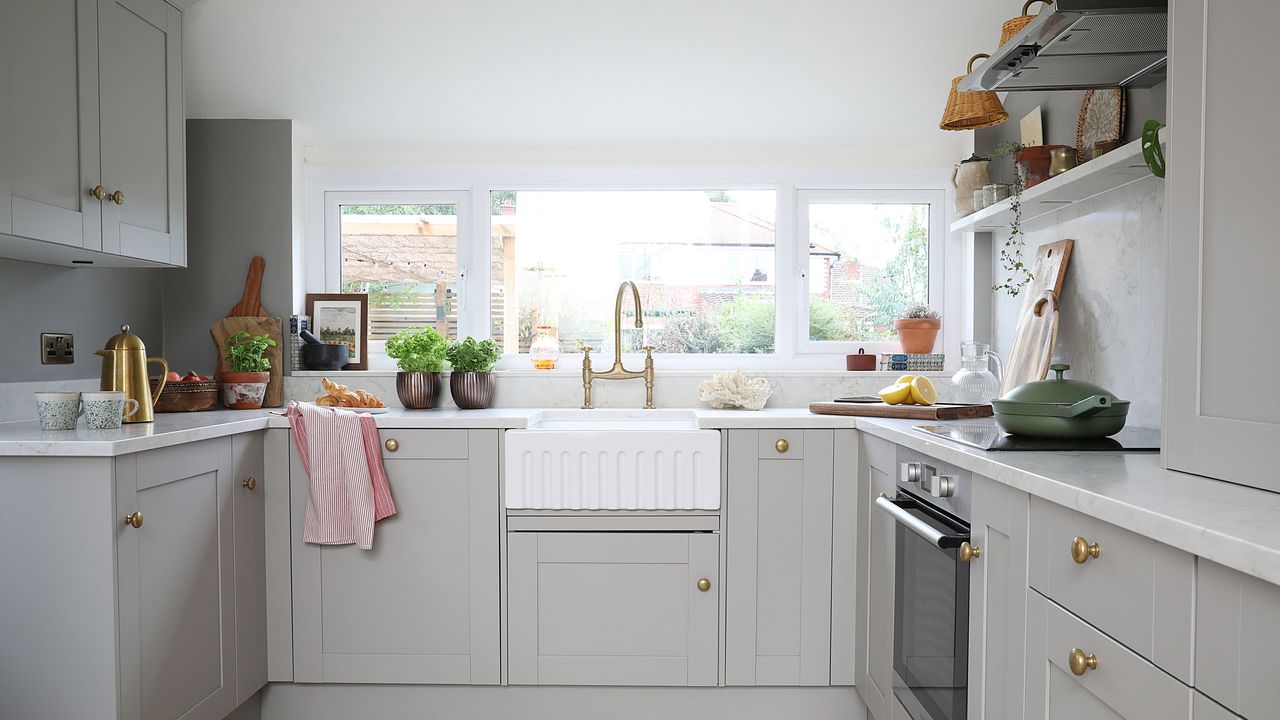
x: 341, y: 396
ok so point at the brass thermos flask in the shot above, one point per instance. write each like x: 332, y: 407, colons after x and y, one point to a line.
x: 124, y: 368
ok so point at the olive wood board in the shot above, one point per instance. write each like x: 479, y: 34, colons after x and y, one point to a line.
x: 272, y: 327
x: 941, y: 411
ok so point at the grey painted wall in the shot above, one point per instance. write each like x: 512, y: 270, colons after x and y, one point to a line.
x: 239, y: 204
x: 91, y: 303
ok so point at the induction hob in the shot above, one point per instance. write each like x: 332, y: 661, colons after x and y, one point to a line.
x: 988, y: 436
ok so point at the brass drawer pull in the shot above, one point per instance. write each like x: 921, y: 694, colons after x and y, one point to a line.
x: 969, y: 552
x: 1082, y: 550
x: 704, y: 584
x: 133, y: 519
x: 782, y: 445
x: 1081, y: 663
x: 98, y: 192
x: 116, y: 197
x: 251, y: 483
x: 392, y: 444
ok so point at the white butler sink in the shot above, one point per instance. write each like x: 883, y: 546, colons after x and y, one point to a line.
x: 613, y: 460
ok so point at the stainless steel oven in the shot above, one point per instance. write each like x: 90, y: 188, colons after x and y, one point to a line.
x: 931, y: 591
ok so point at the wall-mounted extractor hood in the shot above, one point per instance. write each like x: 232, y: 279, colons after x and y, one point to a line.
x: 1078, y: 44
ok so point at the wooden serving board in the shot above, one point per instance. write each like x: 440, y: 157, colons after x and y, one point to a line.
x: 272, y: 327
x: 1037, y: 328
x: 906, y: 412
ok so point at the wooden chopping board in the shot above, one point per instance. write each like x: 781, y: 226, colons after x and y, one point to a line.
x: 907, y: 412
x: 1037, y: 328
x: 272, y: 327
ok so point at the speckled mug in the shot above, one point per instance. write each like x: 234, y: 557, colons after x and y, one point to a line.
x: 105, y: 410
x: 58, y: 410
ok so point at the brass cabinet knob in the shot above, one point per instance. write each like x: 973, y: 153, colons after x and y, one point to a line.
x: 116, y: 197
x: 133, y: 519
x: 1081, y: 663
x: 704, y: 584
x: 969, y: 552
x: 782, y: 445
x: 98, y: 192
x: 250, y: 483
x: 1082, y: 550
x: 392, y: 444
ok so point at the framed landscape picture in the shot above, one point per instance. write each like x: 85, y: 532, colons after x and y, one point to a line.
x: 342, y: 318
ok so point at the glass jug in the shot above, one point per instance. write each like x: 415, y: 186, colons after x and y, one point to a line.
x: 974, y: 382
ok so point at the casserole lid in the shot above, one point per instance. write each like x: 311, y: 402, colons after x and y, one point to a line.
x: 1060, y: 397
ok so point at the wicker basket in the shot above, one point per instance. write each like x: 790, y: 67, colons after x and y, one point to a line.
x: 191, y: 396
x: 972, y: 110
x: 1013, y: 26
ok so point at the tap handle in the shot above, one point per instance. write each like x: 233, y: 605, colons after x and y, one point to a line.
x: 648, y: 349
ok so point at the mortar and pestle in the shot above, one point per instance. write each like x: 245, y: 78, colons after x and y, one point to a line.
x: 320, y: 355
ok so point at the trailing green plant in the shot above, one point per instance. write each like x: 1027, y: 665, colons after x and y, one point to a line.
x: 1152, y: 154
x: 248, y: 353
x: 1016, y: 272
x: 920, y: 312
x: 472, y: 356
x: 421, y: 349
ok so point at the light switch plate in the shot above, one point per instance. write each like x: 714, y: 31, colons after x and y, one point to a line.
x: 57, y: 349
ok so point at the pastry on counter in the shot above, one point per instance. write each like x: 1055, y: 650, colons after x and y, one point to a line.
x: 336, y: 395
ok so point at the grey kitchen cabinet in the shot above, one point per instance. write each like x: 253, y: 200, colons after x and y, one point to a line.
x: 997, y: 599
x: 1237, y: 626
x: 248, y: 490
x: 877, y: 473
x: 175, y: 578
x: 1202, y: 708
x: 423, y: 605
x: 92, y: 165
x: 49, y: 153
x: 778, y: 579
x: 1073, y: 670
x: 613, y: 608
x: 1220, y: 201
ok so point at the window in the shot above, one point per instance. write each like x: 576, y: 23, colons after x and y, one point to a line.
x: 703, y: 261
x: 870, y: 256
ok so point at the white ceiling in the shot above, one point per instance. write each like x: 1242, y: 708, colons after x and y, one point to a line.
x: 397, y: 73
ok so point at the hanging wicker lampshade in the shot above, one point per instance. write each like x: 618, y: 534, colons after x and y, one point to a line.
x: 972, y: 110
x: 1012, y: 26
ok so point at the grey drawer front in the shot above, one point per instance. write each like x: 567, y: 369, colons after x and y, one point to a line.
x: 424, y: 444
x: 772, y: 442
x: 1237, y: 636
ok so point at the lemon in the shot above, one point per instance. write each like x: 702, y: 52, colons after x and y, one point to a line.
x: 922, y: 391
x: 896, y: 393
x: 905, y: 379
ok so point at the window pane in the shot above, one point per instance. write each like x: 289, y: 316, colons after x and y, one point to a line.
x: 867, y: 263
x: 702, y: 260
x: 406, y: 258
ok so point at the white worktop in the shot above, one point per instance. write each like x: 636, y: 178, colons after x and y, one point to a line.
x: 1236, y: 526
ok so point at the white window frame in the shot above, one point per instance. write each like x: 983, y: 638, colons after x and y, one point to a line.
x: 935, y: 199
x: 330, y: 185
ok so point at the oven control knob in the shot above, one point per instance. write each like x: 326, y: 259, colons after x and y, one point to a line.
x: 913, y: 471
x: 942, y: 486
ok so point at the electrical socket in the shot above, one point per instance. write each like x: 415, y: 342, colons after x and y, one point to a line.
x: 57, y: 349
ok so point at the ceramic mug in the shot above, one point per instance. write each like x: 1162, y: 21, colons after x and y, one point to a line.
x: 58, y: 410
x: 105, y: 410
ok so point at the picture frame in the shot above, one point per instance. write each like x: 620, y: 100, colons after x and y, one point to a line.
x: 342, y: 317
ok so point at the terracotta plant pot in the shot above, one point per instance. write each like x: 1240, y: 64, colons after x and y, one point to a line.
x: 244, y: 390
x: 472, y: 390
x: 418, y: 390
x: 917, y: 334
x: 1035, y: 162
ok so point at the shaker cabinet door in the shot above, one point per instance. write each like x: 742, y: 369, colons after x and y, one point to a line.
x: 1221, y: 255
x: 875, y: 628
x: 49, y: 158
x: 140, y: 51
x: 248, y: 493
x: 176, y: 586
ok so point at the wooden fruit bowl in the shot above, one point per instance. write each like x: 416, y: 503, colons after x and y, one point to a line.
x: 189, y: 396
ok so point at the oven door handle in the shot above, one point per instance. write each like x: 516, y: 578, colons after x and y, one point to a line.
x: 897, y: 510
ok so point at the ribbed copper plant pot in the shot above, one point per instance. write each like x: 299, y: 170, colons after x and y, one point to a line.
x: 418, y: 390
x: 472, y: 390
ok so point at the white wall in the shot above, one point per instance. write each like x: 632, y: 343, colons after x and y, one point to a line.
x: 1112, y: 305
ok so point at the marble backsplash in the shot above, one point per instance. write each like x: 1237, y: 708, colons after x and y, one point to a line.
x: 1111, y: 327
x: 17, y: 402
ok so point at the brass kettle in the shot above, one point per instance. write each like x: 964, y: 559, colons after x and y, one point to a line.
x: 124, y: 368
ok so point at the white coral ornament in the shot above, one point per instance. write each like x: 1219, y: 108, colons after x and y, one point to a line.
x: 735, y: 390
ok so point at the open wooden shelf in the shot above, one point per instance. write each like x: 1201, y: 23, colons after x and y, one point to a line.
x: 1118, y: 168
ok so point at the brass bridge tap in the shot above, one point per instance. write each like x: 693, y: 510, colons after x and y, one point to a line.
x: 618, y: 372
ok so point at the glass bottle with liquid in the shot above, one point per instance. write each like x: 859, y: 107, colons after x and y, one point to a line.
x: 544, y: 351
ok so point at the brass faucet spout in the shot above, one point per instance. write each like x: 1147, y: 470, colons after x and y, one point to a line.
x: 617, y: 318
x: 618, y: 372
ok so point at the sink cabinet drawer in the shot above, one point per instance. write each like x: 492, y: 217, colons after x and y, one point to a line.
x: 1237, y: 636
x: 787, y: 444
x: 1115, y: 684
x: 1136, y: 590
x: 401, y: 444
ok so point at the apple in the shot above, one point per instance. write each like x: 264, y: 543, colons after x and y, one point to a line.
x: 173, y: 377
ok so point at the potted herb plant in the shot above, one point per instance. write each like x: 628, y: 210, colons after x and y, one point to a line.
x: 248, y: 370
x: 420, y: 354
x: 918, y: 329
x: 471, y: 383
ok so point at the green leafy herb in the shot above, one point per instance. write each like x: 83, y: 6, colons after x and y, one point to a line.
x: 472, y: 356
x: 247, y: 353
x: 417, y: 350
